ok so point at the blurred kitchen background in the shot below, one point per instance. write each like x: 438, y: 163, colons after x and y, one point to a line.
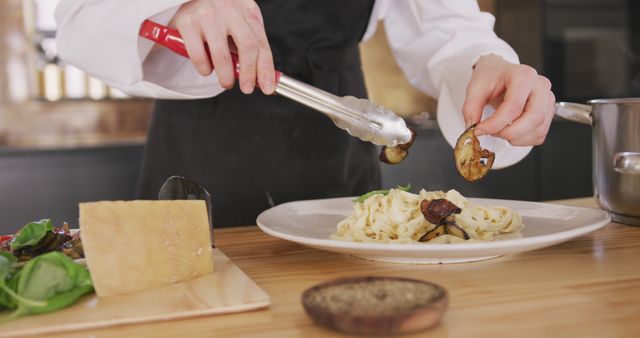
x: 65, y: 137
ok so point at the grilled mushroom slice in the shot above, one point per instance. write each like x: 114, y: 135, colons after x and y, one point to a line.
x: 50, y: 241
x: 472, y: 162
x: 437, y: 210
x: 448, y: 227
x: 395, y: 155
x: 406, y: 146
x: 452, y: 228
x: 72, y: 248
x: 433, y: 233
x: 440, y: 212
x: 392, y: 155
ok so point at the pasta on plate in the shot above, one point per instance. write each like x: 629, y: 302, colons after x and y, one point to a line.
x: 397, y: 218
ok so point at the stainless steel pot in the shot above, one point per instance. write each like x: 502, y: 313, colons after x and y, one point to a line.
x: 616, y: 153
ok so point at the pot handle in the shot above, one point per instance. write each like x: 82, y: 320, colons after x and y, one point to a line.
x: 575, y: 112
x: 627, y: 163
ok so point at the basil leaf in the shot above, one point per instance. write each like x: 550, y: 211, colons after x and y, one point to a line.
x: 10, y: 258
x: 55, y: 279
x: 9, y: 298
x: 62, y: 300
x: 31, y: 234
x: 5, y: 267
x: 381, y: 192
x: 6, y: 299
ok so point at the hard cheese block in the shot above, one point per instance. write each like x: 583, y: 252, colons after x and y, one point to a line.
x: 138, y: 245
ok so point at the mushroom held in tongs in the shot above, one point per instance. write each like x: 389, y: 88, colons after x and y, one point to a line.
x: 395, y: 155
x: 472, y: 162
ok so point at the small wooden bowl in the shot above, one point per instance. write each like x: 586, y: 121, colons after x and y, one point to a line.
x: 376, y: 305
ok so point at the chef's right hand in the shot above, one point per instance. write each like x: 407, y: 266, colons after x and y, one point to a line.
x: 214, y: 22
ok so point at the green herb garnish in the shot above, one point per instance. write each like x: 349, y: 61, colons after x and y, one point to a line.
x: 31, y: 234
x: 381, y: 192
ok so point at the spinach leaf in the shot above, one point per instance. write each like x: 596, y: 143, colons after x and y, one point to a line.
x: 10, y: 258
x: 55, y: 279
x: 8, y: 296
x: 5, y: 267
x: 62, y: 300
x: 31, y: 234
x: 380, y: 192
x: 7, y: 301
x: 6, y: 262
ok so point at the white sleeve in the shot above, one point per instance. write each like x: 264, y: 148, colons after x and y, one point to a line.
x: 436, y: 43
x: 101, y: 38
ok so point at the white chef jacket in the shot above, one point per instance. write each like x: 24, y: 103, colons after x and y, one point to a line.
x: 435, y: 42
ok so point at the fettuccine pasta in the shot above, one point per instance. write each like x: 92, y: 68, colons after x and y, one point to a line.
x: 397, y: 218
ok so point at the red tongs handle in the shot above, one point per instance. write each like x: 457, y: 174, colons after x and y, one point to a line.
x: 171, y: 39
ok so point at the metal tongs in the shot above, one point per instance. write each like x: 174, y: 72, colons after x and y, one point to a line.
x: 359, y: 117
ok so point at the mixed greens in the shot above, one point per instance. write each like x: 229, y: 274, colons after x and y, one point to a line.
x: 40, y: 237
x: 37, y: 270
x: 31, y: 234
x: 46, y: 283
x: 381, y: 192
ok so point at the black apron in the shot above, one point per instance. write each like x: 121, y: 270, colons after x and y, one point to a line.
x: 255, y: 151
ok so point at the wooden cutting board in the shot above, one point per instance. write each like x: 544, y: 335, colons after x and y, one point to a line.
x: 226, y: 290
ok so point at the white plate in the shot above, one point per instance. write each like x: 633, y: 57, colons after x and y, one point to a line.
x: 313, y: 222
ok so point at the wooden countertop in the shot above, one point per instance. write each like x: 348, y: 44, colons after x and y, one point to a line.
x: 587, y: 287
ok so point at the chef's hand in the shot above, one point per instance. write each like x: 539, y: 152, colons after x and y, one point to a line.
x: 214, y: 22
x: 523, y: 100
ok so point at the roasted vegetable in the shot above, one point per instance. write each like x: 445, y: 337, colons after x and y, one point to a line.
x: 380, y: 192
x: 40, y: 237
x: 73, y: 248
x: 52, y: 241
x: 448, y: 227
x: 472, y: 162
x: 392, y: 155
x: 436, y: 210
x: 441, y: 212
x: 5, y: 243
x: 6, y: 239
x: 433, y: 233
x: 455, y: 230
x: 395, y: 155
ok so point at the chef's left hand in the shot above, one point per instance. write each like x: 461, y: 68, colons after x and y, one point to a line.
x: 523, y: 100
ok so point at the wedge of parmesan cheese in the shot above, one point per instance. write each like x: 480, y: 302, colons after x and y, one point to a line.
x: 131, y: 246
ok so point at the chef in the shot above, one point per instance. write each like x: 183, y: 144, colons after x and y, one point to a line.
x: 252, y: 149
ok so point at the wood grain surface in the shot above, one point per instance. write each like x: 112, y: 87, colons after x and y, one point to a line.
x: 587, y: 287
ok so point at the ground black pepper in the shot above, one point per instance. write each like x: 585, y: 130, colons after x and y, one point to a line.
x: 374, y: 298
